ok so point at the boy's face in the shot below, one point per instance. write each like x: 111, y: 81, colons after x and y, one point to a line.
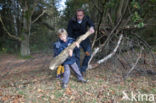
x: 63, y: 37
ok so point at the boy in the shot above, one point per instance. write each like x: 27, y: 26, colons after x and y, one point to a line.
x: 63, y: 42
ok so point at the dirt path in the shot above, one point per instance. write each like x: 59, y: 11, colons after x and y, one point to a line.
x: 14, y: 66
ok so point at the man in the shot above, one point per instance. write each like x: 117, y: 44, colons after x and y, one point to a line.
x: 78, y: 26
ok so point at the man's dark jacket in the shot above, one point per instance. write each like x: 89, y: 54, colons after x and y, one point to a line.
x: 75, y: 29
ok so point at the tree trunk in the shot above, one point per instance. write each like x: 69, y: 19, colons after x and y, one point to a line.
x: 25, y: 50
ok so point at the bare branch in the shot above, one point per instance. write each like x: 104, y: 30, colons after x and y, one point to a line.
x: 108, y: 56
x: 96, y: 6
x: 111, y: 54
x: 9, y: 34
x: 136, y: 26
x: 110, y: 19
x: 44, y: 11
x: 120, y: 9
x: 133, y: 67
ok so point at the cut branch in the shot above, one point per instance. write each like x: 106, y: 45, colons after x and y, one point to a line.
x: 58, y: 60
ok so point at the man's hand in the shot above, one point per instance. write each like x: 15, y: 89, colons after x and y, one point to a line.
x: 70, y: 52
x: 77, y: 44
x: 91, y: 29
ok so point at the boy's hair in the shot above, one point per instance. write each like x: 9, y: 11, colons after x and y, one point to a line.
x: 62, y: 31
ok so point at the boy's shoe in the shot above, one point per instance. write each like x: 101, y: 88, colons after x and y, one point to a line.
x: 58, y: 76
x: 64, y: 85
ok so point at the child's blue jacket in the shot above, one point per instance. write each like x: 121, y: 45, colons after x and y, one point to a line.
x: 60, y: 45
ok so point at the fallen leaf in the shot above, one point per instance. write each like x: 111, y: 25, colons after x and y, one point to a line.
x: 68, y: 91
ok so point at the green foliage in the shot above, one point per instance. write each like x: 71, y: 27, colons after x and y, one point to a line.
x: 40, y: 35
x: 110, y: 4
x: 140, y: 25
x: 153, y: 1
x: 41, y: 38
x: 28, y: 14
x: 135, y: 4
x: 4, y: 50
x: 136, y: 17
x: 73, y: 5
x: 24, y: 57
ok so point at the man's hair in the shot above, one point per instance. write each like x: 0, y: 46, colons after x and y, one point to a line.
x: 62, y: 31
x: 80, y: 9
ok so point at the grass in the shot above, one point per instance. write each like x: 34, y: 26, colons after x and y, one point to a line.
x: 97, y: 90
x: 24, y: 57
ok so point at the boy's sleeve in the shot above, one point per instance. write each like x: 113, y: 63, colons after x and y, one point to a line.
x: 56, y: 48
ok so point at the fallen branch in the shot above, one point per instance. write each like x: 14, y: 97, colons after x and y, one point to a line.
x: 58, y: 60
x: 108, y: 56
x: 133, y: 67
x: 111, y: 54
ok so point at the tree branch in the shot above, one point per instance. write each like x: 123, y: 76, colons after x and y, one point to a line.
x: 108, y: 56
x: 133, y: 67
x: 114, y: 51
x: 9, y: 34
x: 44, y: 11
x: 96, y: 6
x: 48, y: 26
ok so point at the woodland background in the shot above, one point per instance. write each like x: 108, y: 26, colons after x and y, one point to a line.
x: 28, y: 29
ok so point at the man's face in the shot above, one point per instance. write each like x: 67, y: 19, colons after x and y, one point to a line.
x: 63, y: 37
x: 80, y: 15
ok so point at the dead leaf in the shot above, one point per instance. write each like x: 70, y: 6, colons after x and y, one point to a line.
x: 68, y: 91
x: 52, y: 96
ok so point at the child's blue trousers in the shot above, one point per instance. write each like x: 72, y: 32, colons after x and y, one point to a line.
x: 66, y: 74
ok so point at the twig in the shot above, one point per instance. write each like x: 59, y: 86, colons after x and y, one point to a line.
x: 133, y: 67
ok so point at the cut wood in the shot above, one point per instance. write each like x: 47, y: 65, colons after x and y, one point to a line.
x: 58, y: 60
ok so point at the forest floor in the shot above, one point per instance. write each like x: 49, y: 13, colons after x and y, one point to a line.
x: 28, y: 80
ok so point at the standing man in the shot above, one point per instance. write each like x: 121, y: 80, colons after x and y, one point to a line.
x: 77, y: 26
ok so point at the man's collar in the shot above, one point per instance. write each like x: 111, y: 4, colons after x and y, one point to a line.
x: 75, y: 19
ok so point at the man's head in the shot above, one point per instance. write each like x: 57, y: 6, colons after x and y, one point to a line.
x: 62, y: 34
x: 79, y: 14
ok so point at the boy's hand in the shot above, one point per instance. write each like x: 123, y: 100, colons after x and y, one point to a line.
x: 77, y: 44
x: 70, y: 52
